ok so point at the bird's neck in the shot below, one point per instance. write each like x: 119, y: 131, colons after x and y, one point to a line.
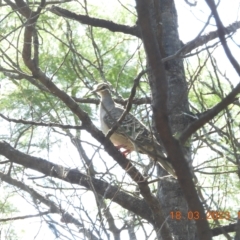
x: 107, y: 100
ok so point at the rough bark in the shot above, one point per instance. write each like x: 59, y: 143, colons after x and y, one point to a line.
x: 170, y: 193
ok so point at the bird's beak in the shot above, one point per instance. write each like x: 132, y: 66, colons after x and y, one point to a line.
x: 93, y: 91
x: 90, y: 93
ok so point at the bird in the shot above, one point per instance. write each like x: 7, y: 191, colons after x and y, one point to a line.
x: 131, y: 134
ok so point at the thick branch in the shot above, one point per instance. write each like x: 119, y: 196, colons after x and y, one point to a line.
x: 95, y: 22
x: 219, y: 230
x: 74, y: 176
x: 159, y: 87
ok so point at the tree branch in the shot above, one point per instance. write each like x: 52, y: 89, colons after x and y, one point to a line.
x: 33, y: 123
x: 209, y: 114
x: 188, y: 47
x: 219, y: 230
x: 74, y: 176
x: 23, y: 217
x: 201, y: 40
x: 95, y: 22
x: 191, y: 4
x: 136, y: 101
x: 230, y: 98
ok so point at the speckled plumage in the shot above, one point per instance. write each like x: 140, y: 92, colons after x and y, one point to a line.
x: 131, y: 134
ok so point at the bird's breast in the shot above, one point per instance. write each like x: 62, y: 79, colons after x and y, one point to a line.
x: 116, y: 139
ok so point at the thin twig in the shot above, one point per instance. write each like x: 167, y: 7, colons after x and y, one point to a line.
x: 41, y: 123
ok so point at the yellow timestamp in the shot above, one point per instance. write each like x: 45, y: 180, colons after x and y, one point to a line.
x: 195, y: 215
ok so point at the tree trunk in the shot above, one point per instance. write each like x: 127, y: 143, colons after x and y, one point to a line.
x: 169, y: 192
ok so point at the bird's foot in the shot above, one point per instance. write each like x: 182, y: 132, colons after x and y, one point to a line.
x: 125, y: 152
x: 120, y: 146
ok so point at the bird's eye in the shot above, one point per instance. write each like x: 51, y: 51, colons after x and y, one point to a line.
x: 102, y: 88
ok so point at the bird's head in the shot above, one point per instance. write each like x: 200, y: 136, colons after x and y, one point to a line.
x: 101, y: 88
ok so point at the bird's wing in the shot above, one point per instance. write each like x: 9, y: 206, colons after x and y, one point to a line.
x: 129, y: 127
x: 139, y: 135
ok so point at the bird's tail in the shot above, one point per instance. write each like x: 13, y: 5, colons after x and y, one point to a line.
x: 156, y: 154
x: 166, y: 165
